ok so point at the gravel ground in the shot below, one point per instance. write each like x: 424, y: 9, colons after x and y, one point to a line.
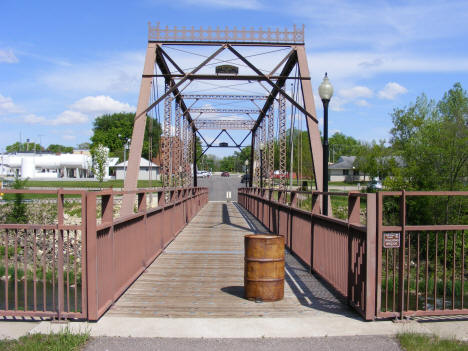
x: 361, y: 343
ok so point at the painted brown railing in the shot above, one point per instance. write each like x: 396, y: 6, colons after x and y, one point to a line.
x: 119, y: 250
x: 342, y: 252
x: 43, y: 262
x: 427, y: 273
x: 77, y: 267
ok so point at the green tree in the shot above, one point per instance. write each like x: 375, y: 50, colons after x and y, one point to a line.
x: 84, y: 146
x: 375, y: 159
x: 99, y: 154
x: 432, y: 139
x: 57, y: 148
x: 18, y: 210
x: 342, y: 145
x: 21, y: 147
x: 114, y: 130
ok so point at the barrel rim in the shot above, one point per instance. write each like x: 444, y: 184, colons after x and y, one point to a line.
x: 262, y: 236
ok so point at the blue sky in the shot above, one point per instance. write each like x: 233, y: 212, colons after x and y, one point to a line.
x: 63, y: 63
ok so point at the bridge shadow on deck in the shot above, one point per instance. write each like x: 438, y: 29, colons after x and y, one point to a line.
x: 310, y: 290
x: 200, y: 274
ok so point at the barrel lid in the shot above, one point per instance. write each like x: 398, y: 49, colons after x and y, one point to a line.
x: 261, y: 236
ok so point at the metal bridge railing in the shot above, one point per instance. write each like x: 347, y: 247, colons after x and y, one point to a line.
x: 379, y: 254
x: 68, y: 254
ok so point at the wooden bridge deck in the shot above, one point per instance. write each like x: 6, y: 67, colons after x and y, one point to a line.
x: 200, y: 274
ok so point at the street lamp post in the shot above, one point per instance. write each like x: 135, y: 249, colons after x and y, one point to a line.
x: 262, y: 148
x: 325, y: 92
x: 126, y: 146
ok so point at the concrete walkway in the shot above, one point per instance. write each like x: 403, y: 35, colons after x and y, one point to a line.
x: 194, y: 290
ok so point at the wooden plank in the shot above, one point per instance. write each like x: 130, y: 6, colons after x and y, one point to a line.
x: 201, y: 274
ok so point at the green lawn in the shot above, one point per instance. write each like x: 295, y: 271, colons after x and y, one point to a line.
x: 64, y: 341
x: 88, y: 184
x: 421, y: 342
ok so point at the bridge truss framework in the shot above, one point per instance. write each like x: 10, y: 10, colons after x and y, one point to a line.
x: 180, y: 130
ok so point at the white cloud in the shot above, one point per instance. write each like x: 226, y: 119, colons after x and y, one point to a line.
x: 118, y: 73
x: 337, y: 104
x: 34, y: 119
x: 98, y: 105
x: 7, y: 105
x: 362, y: 103
x: 392, y: 90
x: 348, y: 65
x: 69, y: 117
x: 68, y: 137
x: 356, y: 92
x: 7, y: 56
x: 381, y: 23
x: 80, y: 111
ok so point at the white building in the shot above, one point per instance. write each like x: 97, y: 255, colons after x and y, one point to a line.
x: 50, y: 166
x: 344, y: 171
x: 143, y: 174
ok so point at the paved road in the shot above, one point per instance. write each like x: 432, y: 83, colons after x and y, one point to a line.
x: 360, y: 343
x: 218, y: 186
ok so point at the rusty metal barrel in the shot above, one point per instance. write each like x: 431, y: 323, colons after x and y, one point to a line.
x: 264, y: 267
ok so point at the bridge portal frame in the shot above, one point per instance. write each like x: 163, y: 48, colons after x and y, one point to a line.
x: 222, y: 39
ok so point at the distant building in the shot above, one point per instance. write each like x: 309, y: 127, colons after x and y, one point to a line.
x: 344, y: 171
x: 147, y: 169
x: 50, y: 165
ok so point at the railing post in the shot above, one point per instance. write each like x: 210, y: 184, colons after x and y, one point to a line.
x: 401, y: 258
x: 371, y: 257
x: 354, y: 208
x: 91, y: 256
x: 142, y: 202
x: 107, y: 204
x: 315, y: 203
x: 61, y: 295
x: 293, y: 199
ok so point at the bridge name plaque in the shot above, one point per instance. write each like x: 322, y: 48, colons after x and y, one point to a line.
x: 391, y: 240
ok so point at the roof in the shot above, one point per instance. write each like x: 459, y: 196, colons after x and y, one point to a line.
x: 143, y: 163
x: 344, y: 162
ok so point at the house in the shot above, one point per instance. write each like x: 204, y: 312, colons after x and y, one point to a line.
x: 344, y: 171
x: 147, y: 170
x: 50, y: 165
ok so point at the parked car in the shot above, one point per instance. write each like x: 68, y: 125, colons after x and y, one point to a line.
x: 245, y: 178
x: 225, y: 174
x: 374, y: 185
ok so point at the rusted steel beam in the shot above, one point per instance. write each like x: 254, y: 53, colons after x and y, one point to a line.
x: 288, y: 67
x: 162, y: 64
x: 223, y: 110
x: 221, y: 77
x: 223, y: 124
x: 224, y: 97
x: 208, y: 35
x: 272, y: 84
x: 180, y: 82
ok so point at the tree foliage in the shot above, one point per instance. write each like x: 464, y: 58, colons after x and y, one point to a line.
x: 375, y: 159
x: 56, y: 148
x: 432, y: 139
x: 114, y: 130
x: 343, y: 145
x: 99, y: 154
x: 21, y: 147
x: 18, y: 213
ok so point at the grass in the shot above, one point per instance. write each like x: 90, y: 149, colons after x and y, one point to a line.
x: 421, y: 342
x: 88, y: 184
x: 117, y: 183
x: 64, y: 341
